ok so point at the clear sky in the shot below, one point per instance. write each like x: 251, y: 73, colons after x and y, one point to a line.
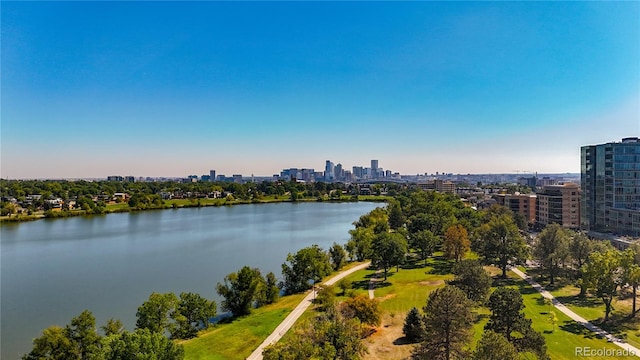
x: 91, y: 89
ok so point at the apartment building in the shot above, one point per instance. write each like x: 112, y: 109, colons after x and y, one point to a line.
x: 559, y: 204
x: 610, y: 180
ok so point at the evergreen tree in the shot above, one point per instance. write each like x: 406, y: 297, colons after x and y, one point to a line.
x: 447, y: 321
x: 493, y: 346
x: 413, y: 328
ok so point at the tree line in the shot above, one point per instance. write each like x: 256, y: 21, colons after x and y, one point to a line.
x: 65, y: 189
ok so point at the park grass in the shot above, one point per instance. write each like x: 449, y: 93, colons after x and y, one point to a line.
x: 567, y: 335
x: 592, y: 309
x: 237, y: 339
x: 411, y: 286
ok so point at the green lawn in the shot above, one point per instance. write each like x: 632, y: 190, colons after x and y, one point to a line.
x: 567, y: 335
x: 236, y: 340
x: 411, y: 286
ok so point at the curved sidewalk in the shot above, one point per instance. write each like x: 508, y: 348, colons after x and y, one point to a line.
x: 286, y: 324
x: 575, y: 317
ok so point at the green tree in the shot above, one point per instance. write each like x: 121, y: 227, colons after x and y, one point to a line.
x: 501, y: 243
x: 506, y: 307
x: 396, y: 217
x: 310, y: 263
x: 326, y: 297
x: 507, y: 318
x: 413, y: 328
x: 552, y: 249
x: 580, y: 248
x: 447, y: 321
x: 493, y: 346
x: 425, y: 242
x: 328, y: 336
x: 337, y: 337
x: 338, y: 256
x: 272, y: 291
x: 193, y: 313
x: 362, y: 308
x: 83, y: 335
x: 456, y: 242
x: 630, y: 264
x: 359, y: 245
x: 389, y: 249
x: 141, y: 344
x: 603, y: 274
x: 154, y: 314
x: 344, y: 284
x: 113, y: 326
x: 472, y: 279
x: 53, y: 344
x: 239, y: 290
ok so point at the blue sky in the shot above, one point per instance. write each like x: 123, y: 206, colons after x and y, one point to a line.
x: 91, y: 89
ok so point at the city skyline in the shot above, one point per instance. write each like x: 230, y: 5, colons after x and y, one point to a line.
x: 91, y: 89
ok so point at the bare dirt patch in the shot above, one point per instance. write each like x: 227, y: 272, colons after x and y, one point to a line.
x: 388, y: 341
x: 431, y: 283
x: 387, y: 297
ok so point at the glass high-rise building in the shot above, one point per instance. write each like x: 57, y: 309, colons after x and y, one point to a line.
x: 610, y: 181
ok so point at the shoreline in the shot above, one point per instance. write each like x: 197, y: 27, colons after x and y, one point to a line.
x: 174, y: 204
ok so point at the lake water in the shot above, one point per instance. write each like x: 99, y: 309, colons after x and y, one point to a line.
x: 51, y: 270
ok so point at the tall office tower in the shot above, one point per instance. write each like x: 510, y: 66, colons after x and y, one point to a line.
x: 338, y: 172
x: 357, y: 171
x: 212, y: 175
x: 610, y: 180
x: 328, y: 171
x: 374, y: 168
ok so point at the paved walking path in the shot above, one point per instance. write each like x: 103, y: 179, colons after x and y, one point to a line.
x: 375, y: 277
x: 575, y: 317
x: 286, y: 324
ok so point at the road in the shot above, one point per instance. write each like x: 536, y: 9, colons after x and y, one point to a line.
x: 286, y: 324
x: 575, y: 317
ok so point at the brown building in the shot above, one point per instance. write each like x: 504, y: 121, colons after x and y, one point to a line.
x: 523, y: 204
x: 559, y: 204
x: 439, y: 185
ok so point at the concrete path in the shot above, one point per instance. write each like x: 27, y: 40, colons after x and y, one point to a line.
x: 286, y: 324
x: 575, y: 317
x: 372, y: 283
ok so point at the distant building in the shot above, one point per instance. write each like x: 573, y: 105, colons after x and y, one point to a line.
x: 329, y: 174
x: 374, y: 169
x: 212, y: 175
x: 559, y: 204
x: 115, y: 178
x: 610, y: 179
x: 523, y: 204
x: 439, y: 185
x: 237, y: 178
x: 338, y: 172
x: 528, y: 181
x: 357, y: 171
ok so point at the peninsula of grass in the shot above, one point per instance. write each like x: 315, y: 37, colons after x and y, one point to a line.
x: 239, y: 337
